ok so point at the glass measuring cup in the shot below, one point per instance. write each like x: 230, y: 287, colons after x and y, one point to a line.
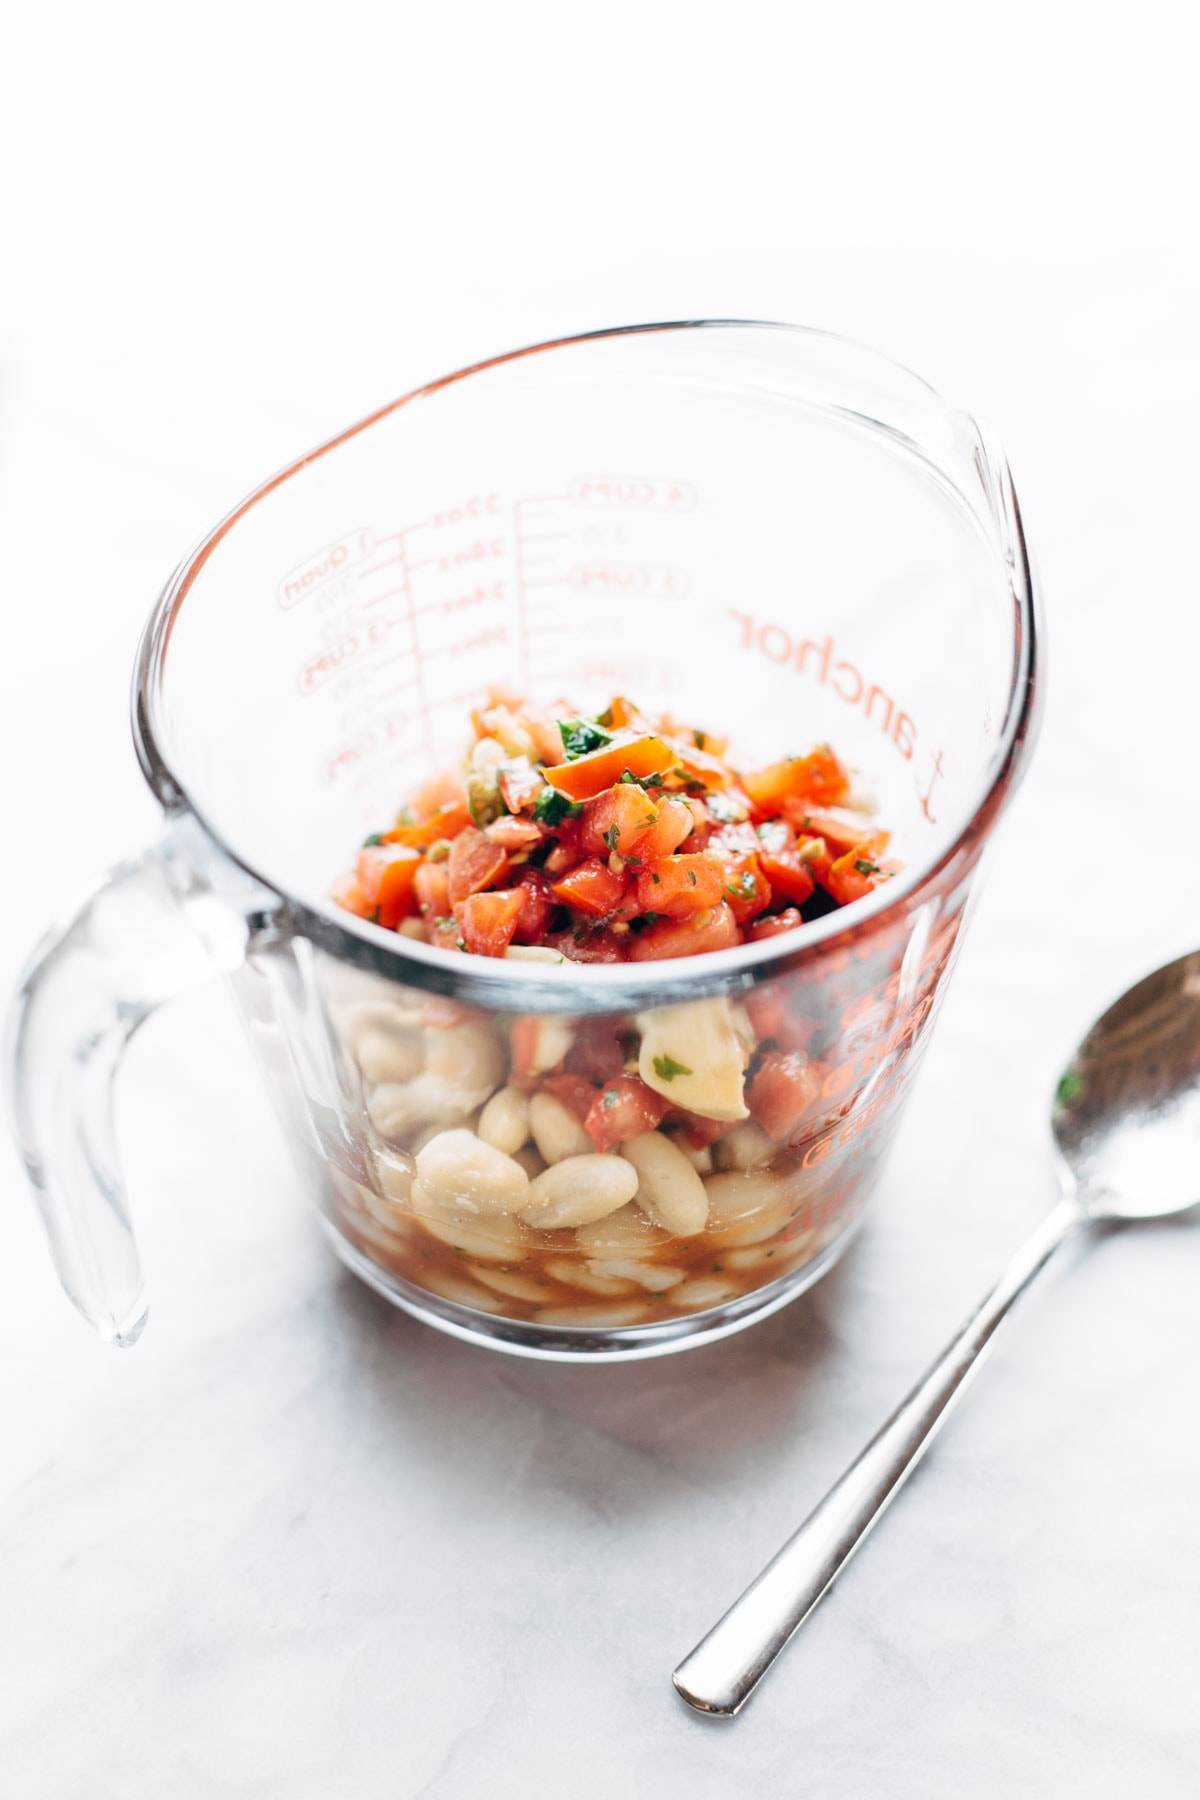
x: 769, y: 528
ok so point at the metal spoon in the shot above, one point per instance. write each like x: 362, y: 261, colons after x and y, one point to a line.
x: 1126, y: 1125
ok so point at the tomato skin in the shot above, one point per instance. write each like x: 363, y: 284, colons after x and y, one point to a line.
x: 586, y: 776
x: 624, y: 1108
x: 536, y: 906
x: 703, y: 766
x: 487, y: 921
x: 616, y: 820
x: 847, y: 881
x: 590, y: 888
x: 789, y: 919
x: 446, y: 822
x: 673, y: 826
x: 699, y: 1131
x: 473, y: 864
x: 818, y: 779
x: 680, y: 885
x: 747, y: 890
x: 599, y: 946
x: 597, y: 1051
x: 575, y: 1091
x: 784, y: 1089
x: 513, y: 834
x: 347, y: 893
x: 520, y: 784
x: 569, y: 848
x: 396, y: 890
x: 715, y: 929
x: 788, y: 875
x: 841, y: 830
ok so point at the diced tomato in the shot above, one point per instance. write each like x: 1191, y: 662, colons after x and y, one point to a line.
x: 520, y: 784
x: 624, y: 1108
x: 531, y: 1050
x: 678, y: 885
x: 700, y: 1132
x: 445, y: 931
x: 816, y: 856
x: 591, y: 888
x: 513, y: 834
x: 568, y: 850
x: 622, y: 712
x: 787, y: 920
x: 474, y: 863
x: 819, y: 779
x: 858, y: 874
x: 599, y: 945
x: 715, y: 929
x: 589, y: 775
x: 432, y: 889
x: 774, y: 1021
x: 730, y: 842
x: 446, y: 822
x: 576, y: 1092
x: 397, y: 883
x: 616, y: 819
x: 673, y: 826
x: 703, y: 766
x: 788, y: 875
x: 841, y: 830
x: 746, y: 888
x: 443, y: 789
x: 488, y: 921
x: 348, y: 894
x: 537, y: 904
x: 784, y: 1089
x: 598, y: 1051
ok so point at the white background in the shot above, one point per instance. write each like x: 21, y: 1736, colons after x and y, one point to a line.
x: 294, y: 1545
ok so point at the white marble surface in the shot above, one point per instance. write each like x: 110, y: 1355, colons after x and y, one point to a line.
x: 295, y: 1544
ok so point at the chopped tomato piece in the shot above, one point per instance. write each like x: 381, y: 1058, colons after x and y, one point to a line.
x: 616, y: 819
x: 590, y: 774
x: 513, y: 834
x: 474, y: 863
x: 591, y: 888
x: 446, y: 932
x: 623, y: 712
x: 520, y: 784
x: 784, y: 1089
x: 537, y: 1046
x: 598, y: 1051
x: 599, y: 945
x: 679, y: 885
x: 575, y: 1091
x: 703, y: 766
x: 348, y: 894
x: 432, y: 889
x: 787, y: 920
x: 537, y: 904
x: 773, y: 1019
x: 700, y: 1132
x: 841, y: 830
x: 746, y: 888
x: 568, y: 850
x: 715, y: 929
x: 673, y: 826
x: 385, y: 875
x: 488, y: 921
x: 788, y: 875
x: 819, y: 779
x: 624, y: 1108
x: 446, y: 822
x: 443, y: 789
x: 858, y: 874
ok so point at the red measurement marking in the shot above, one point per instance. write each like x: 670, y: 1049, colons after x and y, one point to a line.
x: 335, y: 656
x: 643, y: 493
x: 317, y: 568
x: 651, y: 580
x: 478, y: 596
x: 480, y: 551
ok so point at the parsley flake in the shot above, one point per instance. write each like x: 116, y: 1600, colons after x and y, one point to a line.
x: 581, y: 736
x: 551, y: 807
x: 668, y: 1068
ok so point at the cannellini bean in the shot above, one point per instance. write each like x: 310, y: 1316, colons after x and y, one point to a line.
x: 578, y: 1190
x: 530, y: 1159
x: 395, y: 1177
x: 540, y: 953
x: 706, y: 1290
x: 504, y: 1121
x: 669, y: 1189
x: 747, y: 1206
x: 468, y: 1056
x: 699, y: 1155
x: 517, y: 1287
x: 463, y: 1293
x: 499, y: 1238
x: 414, y: 928
x: 556, y: 1131
x: 551, y: 1041
x: 574, y: 1272
x: 652, y: 1276
x: 457, y: 1169
x: 693, y: 1055
x: 377, y: 1015
x: 628, y: 1232
x: 747, y: 1146
x: 386, y: 1056
x: 615, y: 1312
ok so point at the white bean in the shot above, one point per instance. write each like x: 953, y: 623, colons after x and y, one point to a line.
x: 556, y: 1131
x: 669, y: 1189
x: 747, y: 1146
x: 517, y: 1287
x: 747, y: 1206
x: 504, y: 1121
x: 467, y: 1056
x: 457, y: 1169
x: 551, y: 1041
x: 628, y: 1232
x: 706, y: 1290
x: 579, y: 1190
x: 463, y: 1293
x: 614, y: 1312
x: 652, y: 1276
x: 535, y: 953
x: 388, y: 1056
x: 574, y: 1272
x: 395, y: 1178
x: 500, y: 1238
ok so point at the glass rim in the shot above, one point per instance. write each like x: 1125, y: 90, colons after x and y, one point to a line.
x: 518, y: 986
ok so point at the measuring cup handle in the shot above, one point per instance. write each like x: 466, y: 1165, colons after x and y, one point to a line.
x: 152, y: 930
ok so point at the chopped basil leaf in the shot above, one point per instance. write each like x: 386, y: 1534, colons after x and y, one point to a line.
x: 610, y: 838
x: 627, y: 775
x: 668, y: 1068
x: 864, y: 867
x: 1069, y: 1089
x: 551, y: 807
x: 656, y: 879
x: 650, y: 781
x: 580, y: 736
x: 369, y: 843
x: 692, y: 876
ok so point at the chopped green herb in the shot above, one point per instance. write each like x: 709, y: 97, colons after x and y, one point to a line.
x: 609, y: 1098
x: 633, y: 862
x: 369, y: 843
x: 701, y: 738
x: 611, y: 836
x: 580, y: 736
x: 744, y: 888
x: 692, y: 876
x: 650, y: 781
x: 656, y: 879
x: 668, y: 1068
x: 551, y: 807
x: 374, y: 915
x: 628, y: 776
x: 1069, y: 1089
x: 864, y: 867
x: 405, y: 816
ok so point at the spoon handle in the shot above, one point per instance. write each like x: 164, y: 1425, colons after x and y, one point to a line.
x: 721, y: 1673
